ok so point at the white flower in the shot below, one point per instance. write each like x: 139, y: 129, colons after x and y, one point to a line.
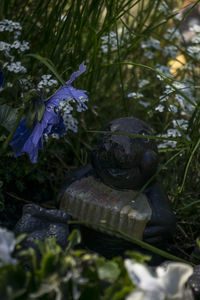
x: 7, y: 245
x: 151, y: 43
x: 16, y: 44
x: 165, y: 70
x: 173, y: 108
x: 24, y: 46
x: 171, y: 51
x: 9, y: 84
x: 9, y: 25
x: 46, y: 81
x: 15, y: 67
x: 143, y: 82
x: 135, y: 95
x: 194, y: 51
x: 196, y: 40
x: 195, y: 28
x: 183, y: 124
x: 4, y: 46
x: 173, y: 133
x: 160, y: 108
x: 163, y: 7
x: 166, y: 283
x: 70, y: 122
x: 143, y: 103
x: 149, y: 54
x: 111, y: 41
x: 2, y: 28
x: 163, y: 98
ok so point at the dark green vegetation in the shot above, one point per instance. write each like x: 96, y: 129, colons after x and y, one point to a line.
x: 137, y: 45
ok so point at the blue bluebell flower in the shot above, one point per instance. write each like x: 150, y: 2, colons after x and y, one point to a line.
x: 25, y: 140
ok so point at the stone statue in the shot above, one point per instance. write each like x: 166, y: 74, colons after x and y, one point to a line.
x: 106, y: 196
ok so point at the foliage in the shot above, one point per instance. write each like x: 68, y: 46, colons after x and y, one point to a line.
x: 58, y: 274
x: 53, y: 273
x: 141, y: 62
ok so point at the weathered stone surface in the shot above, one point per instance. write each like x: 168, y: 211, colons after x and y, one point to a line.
x: 125, y: 162
x: 40, y: 223
x: 194, y: 282
x: 91, y: 201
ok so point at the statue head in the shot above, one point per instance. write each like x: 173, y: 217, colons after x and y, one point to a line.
x: 125, y: 162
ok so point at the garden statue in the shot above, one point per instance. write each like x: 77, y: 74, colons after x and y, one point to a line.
x: 107, y: 195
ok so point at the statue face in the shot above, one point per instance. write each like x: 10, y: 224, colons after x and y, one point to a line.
x: 125, y: 162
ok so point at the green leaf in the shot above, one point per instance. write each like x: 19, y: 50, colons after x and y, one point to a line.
x: 8, y: 116
x: 74, y: 239
x: 48, y: 63
x: 14, y: 281
x: 139, y: 257
x: 107, y: 270
x: 20, y: 238
x: 48, y: 264
x: 35, y: 107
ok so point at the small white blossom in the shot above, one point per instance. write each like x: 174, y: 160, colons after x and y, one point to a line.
x: 46, y: 77
x: 172, y: 33
x: 9, y: 84
x: 149, y: 54
x: 7, y: 245
x: 195, y: 40
x: 111, y: 41
x: 24, y: 46
x: 25, y: 83
x: 4, y: 46
x: 165, y: 283
x: 135, y: 95
x: 2, y: 28
x: 55, y: 136
x: 160, y: 108
x: 71, y: 123
x: 47, y: 82
x: 173, y: 108
x: 163, y: 98
x: 165, y: 70
x: 16, y: 44
x: 15, y: 67
x: 159, y: 77
x: 195, y: 28
x: 143, y: 103
x: 9, y: 25
x: 171, y: 51
x: 183, y: 124
x: 143, y: 82
x: 194, y: 51
x: 151, y: 43
x: 163, y: 7
x: 168, y: 89
x: 171, y: 132
x: 17, y: 34
x: 167, y: 144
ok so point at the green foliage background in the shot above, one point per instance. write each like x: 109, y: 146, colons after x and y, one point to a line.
x: 63, y: 34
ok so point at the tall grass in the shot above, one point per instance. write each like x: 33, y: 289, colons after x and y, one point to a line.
x: 63, y: 33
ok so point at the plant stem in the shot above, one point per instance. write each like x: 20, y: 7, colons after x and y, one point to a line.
x: 136, y: 241
x: 9, y: 138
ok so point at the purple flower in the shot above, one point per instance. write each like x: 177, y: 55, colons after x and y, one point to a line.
x: 68, y: 91
x: 25, y: 140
